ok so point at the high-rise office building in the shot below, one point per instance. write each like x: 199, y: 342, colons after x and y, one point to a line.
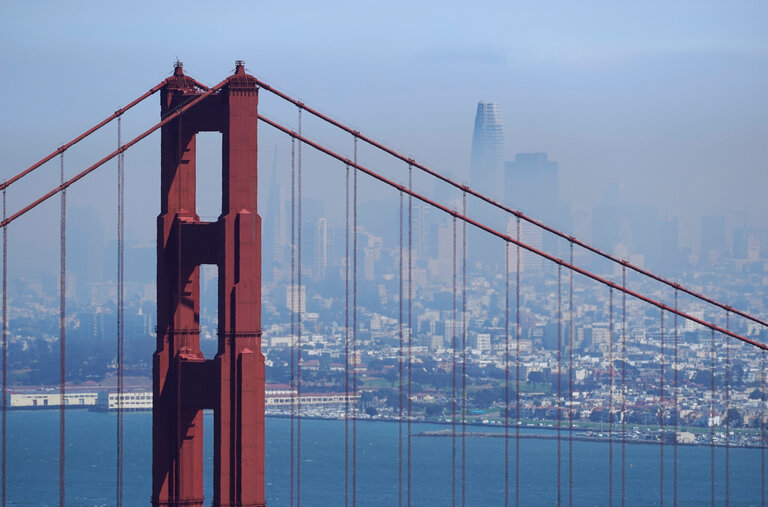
x: 531, y: 184
x: 486, y: 170
x: 321, y: 248
x: 713, y: 237
x: 276, y: 227
x: 530, y: 235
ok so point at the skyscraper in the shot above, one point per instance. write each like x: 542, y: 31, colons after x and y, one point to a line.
x: 530, y: 235
x: 321, y: 248
x: 486, y: 169
x: 275, y: 227
x: 532, y: 185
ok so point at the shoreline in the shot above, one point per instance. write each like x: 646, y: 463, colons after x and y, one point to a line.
x: 584, y: 434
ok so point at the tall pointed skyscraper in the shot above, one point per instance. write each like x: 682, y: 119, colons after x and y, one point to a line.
x: 486, y: 170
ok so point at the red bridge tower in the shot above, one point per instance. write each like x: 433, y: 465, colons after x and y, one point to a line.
x: 232, y: 383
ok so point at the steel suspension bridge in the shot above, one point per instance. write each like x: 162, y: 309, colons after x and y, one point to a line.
x: 232, y: 383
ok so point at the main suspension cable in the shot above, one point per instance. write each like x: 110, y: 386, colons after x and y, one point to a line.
x: 466, y: 220
x: 166, y: 119
x: 82, y: 136
x: 504, y: 208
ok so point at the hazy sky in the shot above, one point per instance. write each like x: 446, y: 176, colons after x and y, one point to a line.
x: 664, y: 100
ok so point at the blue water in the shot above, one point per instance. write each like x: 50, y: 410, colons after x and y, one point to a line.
x: 33, y: 466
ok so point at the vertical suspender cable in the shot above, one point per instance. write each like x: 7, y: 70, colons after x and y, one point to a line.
x: 120, y: 310
x: 400, y: 365
x: 727, y: 415
x: 346, y: 341
x: 661, y: 416
x: 62, y: 340
x: 298, y: 323
x: 623, y: 387
x: 5, y: 355
x: 675, y: 380
x: 610, y: 397
x: 517, y: 369
x: 354, y: 329
x: 506, y: 374
x: 454, y: 378
x: 180, y: 338
x: 712, y: 420
x: 570, y: 382
x: 464, y: 353
x: 292, y: 311
x: 762, y: 397
x: 410, y: 329
x: 558, y: 406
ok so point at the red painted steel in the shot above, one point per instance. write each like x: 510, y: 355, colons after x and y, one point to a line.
x: 232, y: 383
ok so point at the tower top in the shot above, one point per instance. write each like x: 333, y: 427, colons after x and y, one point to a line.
x: 178, y: 68
x: 239, y: 66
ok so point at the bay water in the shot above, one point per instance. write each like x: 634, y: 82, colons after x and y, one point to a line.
x: 91, y: 470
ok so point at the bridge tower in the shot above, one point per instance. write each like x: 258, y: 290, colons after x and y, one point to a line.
x: 185, y: 382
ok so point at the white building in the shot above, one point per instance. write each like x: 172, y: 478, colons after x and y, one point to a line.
x: 280, y: 395
x: 127, y: 401
x: 312, y: 399
x: 296, y: 300
x: 42, y: 400
x: 483, y: 343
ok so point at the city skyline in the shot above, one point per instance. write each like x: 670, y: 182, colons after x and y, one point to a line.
x: 619, y: 109
x: 636, y: 129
